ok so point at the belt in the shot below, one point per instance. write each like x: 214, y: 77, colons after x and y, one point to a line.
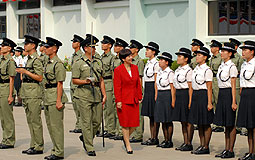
x: 108, y: 77
x: 51, y: 85
x: 97, y: 84
x: 29, y: 81
x: 4, y: 80
x: 214, y: 74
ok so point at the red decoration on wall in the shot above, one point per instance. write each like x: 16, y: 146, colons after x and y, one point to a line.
x: 13, y: 0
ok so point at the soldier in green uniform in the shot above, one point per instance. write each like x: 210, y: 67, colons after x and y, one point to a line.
x: 118, y: 46
x: 109, y: 109
x: 76, y: 55
x: 238, y: 61
x: 31, y: 94
x: 88, y: 73
x: 7, y: 75
x: 214, y: 64
x: 54, y: 98
x: 195, y: 45
x: 135, y: 47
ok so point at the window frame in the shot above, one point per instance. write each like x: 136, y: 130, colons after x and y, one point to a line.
x: 54, y: 5
x: 25, y: 25
x: 228, y: 18
x: 1, y: 16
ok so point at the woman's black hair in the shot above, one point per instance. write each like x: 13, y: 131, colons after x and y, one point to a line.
x: 124, y: 53
x: 189, y: 58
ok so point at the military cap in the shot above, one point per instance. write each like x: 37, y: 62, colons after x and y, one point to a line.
x: 120, y: 42
x: 166, y: 56
x: 52, y: 42
x: 89, y: 38
x: 153, y: 46
x: 204, y: 51
x: 135, y: 44
x: 42, y: 43
x: 196, y: 42
x: 107, y: 40
x: 77, y: 38
x: 215, y: 43
x: 249, y: 45
x: 8, y: 42
x: 229, y: 47
x: 31, y: 39
x: 234, y: 41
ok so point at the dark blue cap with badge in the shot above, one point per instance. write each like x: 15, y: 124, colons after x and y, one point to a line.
x: 196, y: 42
x: 8, y: 42
x: 19, y: 49
x: 135, y: 44
x: 90, y: 41
x: 107, y: 40
x: 31, y: 39
x: 120, y: 42
x: 185, y: 52
x: 52, y: 42
x: 204, y: 51
x: 166, y: 56
x: 234, y: 41
x: 229, y: 47
x: 215, y: 43
x: 249, y: 45
x: 77, y: 38
x: 153, y: 46
x: 42, y: 43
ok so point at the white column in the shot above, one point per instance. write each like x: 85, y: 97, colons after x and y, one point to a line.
x: 138, y: 25
x: 12, y: 20
x: 88, y: 14
x: 47, y: 19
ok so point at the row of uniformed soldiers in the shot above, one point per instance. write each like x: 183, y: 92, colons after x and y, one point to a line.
x: 52, y: 70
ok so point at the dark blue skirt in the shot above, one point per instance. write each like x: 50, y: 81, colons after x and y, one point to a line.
x: 224, y: 115
x: 181, y: 108
x: 199, y: 113
x: 246, y: 112
x: 148, y: 103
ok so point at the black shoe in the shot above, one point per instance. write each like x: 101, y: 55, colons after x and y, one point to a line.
x: 187, y: 147
x: 118, y: 138
x: 218, y: 129
x: 179, y: 148
x: 146, y: 142
x: 195, y: 127
x: 244, y: 134
x: 238, y: 131
x: 228, y: 154
x: 53, y: 157
x: 129, y: 152
x: 25, y: 151
x: 153, y: 142
x: 18, y: 104
x: 133, y: 140
x: 33, y: 152
x: 3, y: 146
x: 198, y: 149
x: 97, y: 133
x: 203, y: 151
x: 221, y: 154
x: 168, y: 144
x: 108, y: 135
x: 112, y: 137
x: 247, y: 156
x: 101, y: 134
x: 162, y: 143
x: 91, y: 153
x: 75, y: 131
x: 82, y: 140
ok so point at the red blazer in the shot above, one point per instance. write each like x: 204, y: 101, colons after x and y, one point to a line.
x: 127, y: 89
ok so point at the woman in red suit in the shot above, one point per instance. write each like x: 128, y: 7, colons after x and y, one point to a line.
x: 128, y: 94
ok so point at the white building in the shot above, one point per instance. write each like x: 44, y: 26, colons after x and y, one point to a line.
x: 170, y: 23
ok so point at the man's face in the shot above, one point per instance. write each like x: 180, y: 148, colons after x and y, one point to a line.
x: 50, y: 50
x: 29, y: 46
x: 75, y: 44
x: 5, y: 49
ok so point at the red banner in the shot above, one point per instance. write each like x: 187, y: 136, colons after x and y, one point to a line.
x: 13, y: 0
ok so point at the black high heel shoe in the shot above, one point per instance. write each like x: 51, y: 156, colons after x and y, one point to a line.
x: 128, y: 152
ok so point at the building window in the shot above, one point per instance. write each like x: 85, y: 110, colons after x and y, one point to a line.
x: 65, y: 2
x: 2, y: 6
x: 29, y: 24
x: 2, y: 27
x: 29, y: 4
x: 231, y: 17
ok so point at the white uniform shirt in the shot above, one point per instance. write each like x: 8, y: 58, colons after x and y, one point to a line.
x: 182, y: 75
x: 151, y: 68
x: 18, y: 60
x: 226, y: 71
x: 201, y: 75
x: 24, y: 62
x: 247, y: 78
x: 164, y: 78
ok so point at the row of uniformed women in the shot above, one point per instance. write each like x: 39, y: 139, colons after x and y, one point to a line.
x: 186, y: 96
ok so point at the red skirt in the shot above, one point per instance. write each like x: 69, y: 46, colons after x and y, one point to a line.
x: 129, y: 115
